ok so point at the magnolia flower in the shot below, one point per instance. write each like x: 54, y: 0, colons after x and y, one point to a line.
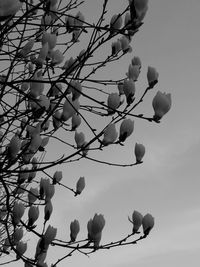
x: 9, y: 8
x: 139, y: 152
x: 42, y: 55
x: 136, y: 62
x: 129, y: 90
x: 126, y: 129
x: 95, y: 227
x: 23, y: 176
x: 57, y: 57
x: 37, y: 87
x: 85, y: 149
x: 75, y: 88
x: 49, y: 235
x: 161, y: 104
x: 140, y: 7
x: 14, y: 146
x: 57, y: 177
x: 133, y: 72
x: 32, y: 195
x: 57, y: 119
x: 44, y: 142
x: 125, y: 44
x: 76, y: 121
x: 116, y: 47
x: 74, y: 230
x: 152, y: 76
x: 80, y: 185
x: 70, y: 108
x: 136, y: 220
x: 79, y: 139
x: 17, y: 212
x: 113, y: 102
x: 147, y: 223
x: 21, y: 248
x: 17, y: 235
x: 27, y: 48
x: 50, y: 39
x: 33, y: 214
x: 116, y: 22
x: 35, y: 143
x: 48, y: 210
x: 79, y: 20
x: 110, y: 135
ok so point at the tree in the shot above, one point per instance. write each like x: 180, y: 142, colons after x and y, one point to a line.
x: 51, y: 90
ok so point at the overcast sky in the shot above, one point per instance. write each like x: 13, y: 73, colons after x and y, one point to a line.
x: 167, y: 183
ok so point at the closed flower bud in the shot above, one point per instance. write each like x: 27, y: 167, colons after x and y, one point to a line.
x: 116, y: 47
x: 98, y: 224
x: 79, y: 139
x: 113, y: 102
x: 17, y: 235
x: 17, y: 212
x: 37, y: 87
x: 27, y: 48
x: 23, y: 176
x: 110, y: 135
x: 21, y: 248
x: 79, y: 20
x: 49, y: 38
x: 136, y: 220
x: 32, y: 195
x: 139, y: 152
x: 152, y: 76
x: 9, y: 8
x: 136, y: 62
x: 129, y: 90
x: 14, y: 146
x: 44, y: 142
x: 126, y: 129
x: 33, y: 214
x: 147, y: 223
x: 161, y: 104
x: 133, y: 72
x: 35, y: 143
x: 76, y: 89
x: 57, y: 57
x: 80, y: 185
x: 48, y: 210
x: 141, y: 7
x: 127, y: 19
x: 95, y: 227
x: 74, y: 230
x: 116, y: 22
x: 50, y: 235
x: 76, y: 121
x: 57, y: 177
x: 85, y: 149
x: 42, y: 54
x: 70, y: 108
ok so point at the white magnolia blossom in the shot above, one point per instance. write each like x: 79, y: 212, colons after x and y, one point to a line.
x: 48, y: 209
x: 9, y: 8
x: 33, y: 214
x: 110, y: 135
x: 80, y: 185
x: 76, y: 121
x: 152, y: 76
x: 74, y: 230
x: 136, y: 220
x: 161, y: 104
x: 79, y: 139
x: 113, y: 102
x: 139, y: 152
x: 147, y: 223
x: 126, y: 129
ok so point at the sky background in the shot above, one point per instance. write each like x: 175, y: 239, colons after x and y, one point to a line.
x: 167, y: 184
